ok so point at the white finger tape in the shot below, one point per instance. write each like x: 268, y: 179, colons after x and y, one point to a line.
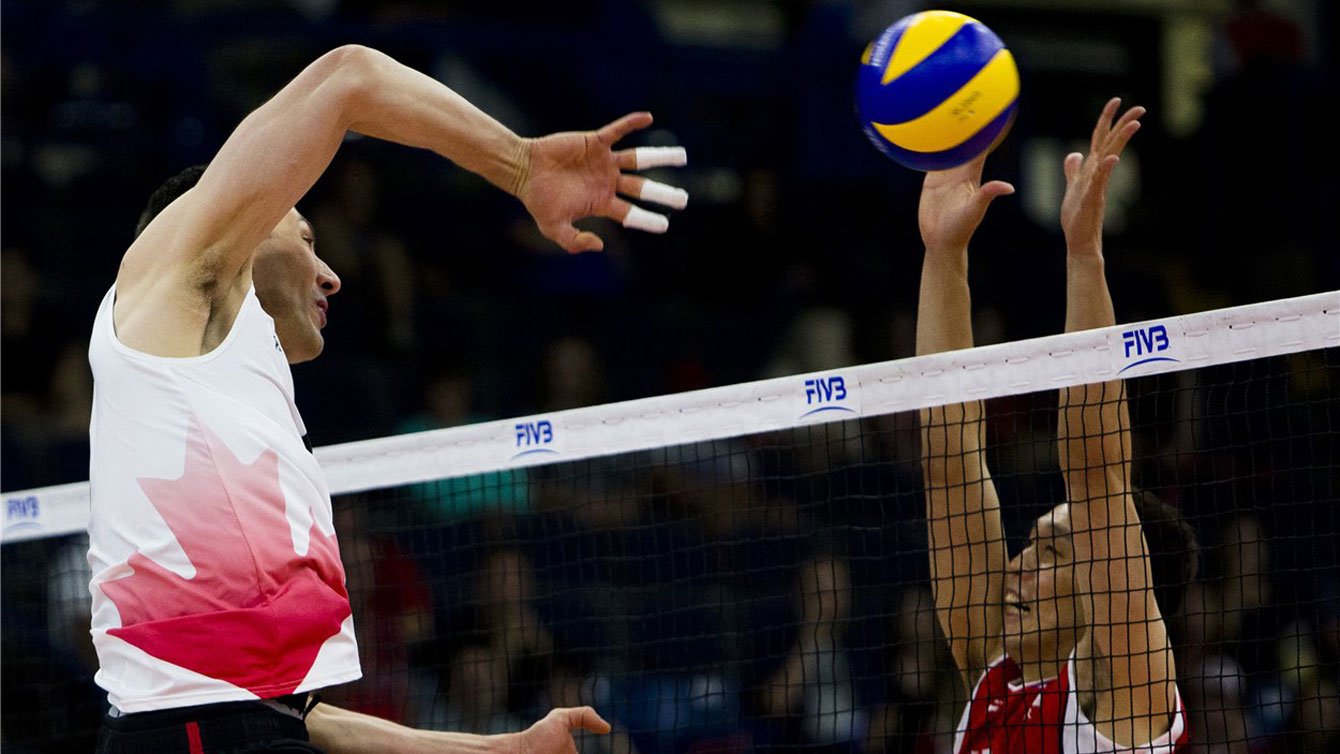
x: 670, y: 196
x: 660, y: 157
x: 641, y: 219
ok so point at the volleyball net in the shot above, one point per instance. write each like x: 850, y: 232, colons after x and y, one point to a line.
x: 746, y: 568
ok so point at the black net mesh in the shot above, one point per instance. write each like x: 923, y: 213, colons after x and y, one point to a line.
x: 772, y: 592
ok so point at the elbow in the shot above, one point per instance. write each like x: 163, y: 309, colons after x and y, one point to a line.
x: 350, y: 71
x: 351, y: 58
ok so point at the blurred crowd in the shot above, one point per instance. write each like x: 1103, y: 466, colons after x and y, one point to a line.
x: 799, y: 250
x: 767, y: 593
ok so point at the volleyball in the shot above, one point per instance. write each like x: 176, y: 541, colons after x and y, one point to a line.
x: 936, y: 89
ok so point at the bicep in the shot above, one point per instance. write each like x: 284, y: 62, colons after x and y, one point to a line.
x: 266, y: 165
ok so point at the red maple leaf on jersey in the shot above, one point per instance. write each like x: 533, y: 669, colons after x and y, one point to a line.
x: 255, y: 613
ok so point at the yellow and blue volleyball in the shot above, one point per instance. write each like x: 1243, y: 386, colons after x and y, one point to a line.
x: 936, y: 89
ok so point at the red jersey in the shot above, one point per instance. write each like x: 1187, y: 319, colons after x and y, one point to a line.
x: 1007, y: 716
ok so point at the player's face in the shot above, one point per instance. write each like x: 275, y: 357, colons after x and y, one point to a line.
x: 293, y: 284
x: 1041, y: 615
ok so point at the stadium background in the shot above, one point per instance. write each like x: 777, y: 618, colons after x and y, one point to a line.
x: 798, y: 252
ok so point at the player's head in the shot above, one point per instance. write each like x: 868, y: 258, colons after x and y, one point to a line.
x: 1044, y: 615
x: 292, y: 283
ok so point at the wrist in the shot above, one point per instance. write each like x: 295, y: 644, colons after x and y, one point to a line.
x: 947, y: 255
x: 506, y: 743
x: 1084, y: 250
x: 518, y: 165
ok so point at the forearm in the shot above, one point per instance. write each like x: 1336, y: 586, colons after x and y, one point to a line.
x: 950, y: 434
x: 944, y: 309
x: 1088, y: 301
x: 340, y: 731
x: 1095, y: 425
x: 396, y: 103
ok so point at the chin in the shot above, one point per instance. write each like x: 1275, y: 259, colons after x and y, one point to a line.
x: 305, y: 352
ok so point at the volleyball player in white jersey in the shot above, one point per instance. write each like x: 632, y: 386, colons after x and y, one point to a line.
x: 218, y: 593
x: 1063, y: 647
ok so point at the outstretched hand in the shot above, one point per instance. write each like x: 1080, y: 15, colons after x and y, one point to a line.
x: 553, y: 733
x: 574, y: 175
x: 1086, y: 177
x: 953, y: 203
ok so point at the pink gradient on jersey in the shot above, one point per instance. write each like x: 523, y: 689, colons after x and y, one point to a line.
x: 256, y: 613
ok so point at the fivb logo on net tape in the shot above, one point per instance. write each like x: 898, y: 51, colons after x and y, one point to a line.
x: 1146, y: 345
x: 829, y: 394
x: 22, y: 514
x: 534, y: 438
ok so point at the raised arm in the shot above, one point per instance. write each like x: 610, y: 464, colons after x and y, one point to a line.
x: 1130, y: 649
x: 202, y: 244
x: 967, y: 545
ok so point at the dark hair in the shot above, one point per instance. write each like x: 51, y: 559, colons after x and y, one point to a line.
x: 167, y: 194
x: 1174, y: 552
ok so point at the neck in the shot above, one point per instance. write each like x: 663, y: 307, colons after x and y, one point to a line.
x: 1040, y: 670
x: 1045, y: 657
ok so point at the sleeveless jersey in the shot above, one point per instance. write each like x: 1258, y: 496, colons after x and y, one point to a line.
x: 1007, y: 716
x: 216, y: 574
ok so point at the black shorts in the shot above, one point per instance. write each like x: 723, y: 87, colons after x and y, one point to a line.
x: 226, y: 728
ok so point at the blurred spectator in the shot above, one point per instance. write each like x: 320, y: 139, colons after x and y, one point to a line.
x: 573, y: 375
x: 1215, y: 689
x: 503, y: 626
x: 1258, y: 36
x: 820, y: 338
x: 1318, y: 718
x: 816, y: 685
x: 392, y: 615
x: 449, y: 401
x: 1246, y: 592
x: 477, y: 693
x: 377, y: 314
x: 47, y: 386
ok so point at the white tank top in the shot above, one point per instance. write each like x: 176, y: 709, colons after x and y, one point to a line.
x: 216, y: 575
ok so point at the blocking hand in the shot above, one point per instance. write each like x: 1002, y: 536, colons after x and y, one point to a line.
x: 953, y: 203
x: 574, y: 175
x: 1086, y: 177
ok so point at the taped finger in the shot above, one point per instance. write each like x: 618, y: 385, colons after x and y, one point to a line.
x: 640, y: 219
x: 671, y: 196
x: 660, y: 157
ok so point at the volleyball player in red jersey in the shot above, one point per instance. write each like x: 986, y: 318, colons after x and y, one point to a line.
x: 1063, y: 647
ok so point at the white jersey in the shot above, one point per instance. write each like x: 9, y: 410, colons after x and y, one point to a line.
x: 216, y: 574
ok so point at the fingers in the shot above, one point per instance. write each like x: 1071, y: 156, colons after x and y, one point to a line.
x: 1104, y: 124
x: 652, y: 191
x: 574, y: 241
x: 1123, y: 135
x: 1106, y: 167
x: 620, y: 128
x: 642, y: 158
x: 991, y: 190
x: 584, y: 718
x: 637, y: 218
x: 1130, y: 115
x: 1110, y: 137
x: 1072, y: 164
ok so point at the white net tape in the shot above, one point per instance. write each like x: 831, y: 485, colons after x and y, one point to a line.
x: 1140, y: 349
